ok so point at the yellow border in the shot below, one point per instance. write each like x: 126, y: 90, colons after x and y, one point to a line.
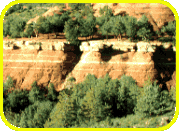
x: 99, y: 1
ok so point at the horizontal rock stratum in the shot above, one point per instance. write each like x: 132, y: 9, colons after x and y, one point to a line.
x: 45, y: 66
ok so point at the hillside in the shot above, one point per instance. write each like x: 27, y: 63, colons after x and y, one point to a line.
x: 77, y: 65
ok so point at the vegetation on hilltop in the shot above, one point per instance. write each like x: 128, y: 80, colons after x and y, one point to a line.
x: 80, y: 22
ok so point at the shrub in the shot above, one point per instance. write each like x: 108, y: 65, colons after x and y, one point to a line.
x: 16, y: 27
x: 29, y: 30
x: 63, y: 114
x: 17, y: 100
x: 130, y: 26
x: 35, y: 115
x: 35, y: 94
x: 52, y: 94
x: 93, y: 100
x: 153, y: 101
x: 170, y: 29
x: 71, y: 31
x: 118, y: 27
x: 127, y: 95
x: 145, y: 30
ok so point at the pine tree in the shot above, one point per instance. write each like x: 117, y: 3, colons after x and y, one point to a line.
x: 145, y: 30
x: 71, y: 30
x: 118, y: 27
x: 130, y: 26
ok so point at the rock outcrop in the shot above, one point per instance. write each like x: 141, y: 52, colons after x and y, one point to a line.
x: 44, y: 66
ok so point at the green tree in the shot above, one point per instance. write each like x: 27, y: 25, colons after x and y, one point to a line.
x: 52, y: 94
x: 76, y: 6
x: 106, y: 28
x: 29, y: 31
x: 16, y: 27
x: 71, y: 30
x: 87, y: 10
x: 36, y: 115
x: 154, y: 101
x: 118, y: 27
x: 36, y: 94
x: 104, y: 25
x: 130, y: 26
x: 170, y: 29
x: 43, y: 25
x: 145, y: 30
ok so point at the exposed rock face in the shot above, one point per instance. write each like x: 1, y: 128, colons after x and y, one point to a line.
x: 157, y: 13
x: 26, y: 66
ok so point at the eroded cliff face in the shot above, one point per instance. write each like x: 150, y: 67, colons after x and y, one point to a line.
x: 27, y: 66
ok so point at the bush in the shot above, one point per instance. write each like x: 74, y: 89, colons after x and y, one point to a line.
x: 130, y: 26
x: 145, y: 30
x: 71, y: 31
x: 35, y: 115
x: 35, y: 94
x: 52, y: 94
x: 29, y: 30
x: 128, y: 94
x: 154, y: 101
x: 17, y: 100
x: 170, y: 29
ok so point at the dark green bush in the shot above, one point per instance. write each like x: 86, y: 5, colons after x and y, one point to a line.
x: 36, y: 94
x: 29, y: 30
x: 154, y: 101
x: 145, y: 30
x: 17, y: 100
x: 130, y: 27
x: 52, y: 94
x: 35, y: 115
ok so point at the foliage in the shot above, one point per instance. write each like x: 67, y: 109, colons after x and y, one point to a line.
x: 130, y: 26
x: 16, y: 99
x: 35, y: 94
x: 103, y: 20
x: 35, y: 115
x: 52, y: 94
x: 71, y: 30
x: 13, y: 26
x: 87, y: 10
x: 93, y: 100
x: 144, y: 29
x: 57, y: 21
x: 15, y: 8
x: 170, y: 29
x: 29, y: 30
x: 87, y: 27
x: 154, y: 101
x: 43, y: 25
x: 106, y: 28
x: 106, y: 11
x: 76, y: 6
x: 118, y: 27
x: 101, y: 102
